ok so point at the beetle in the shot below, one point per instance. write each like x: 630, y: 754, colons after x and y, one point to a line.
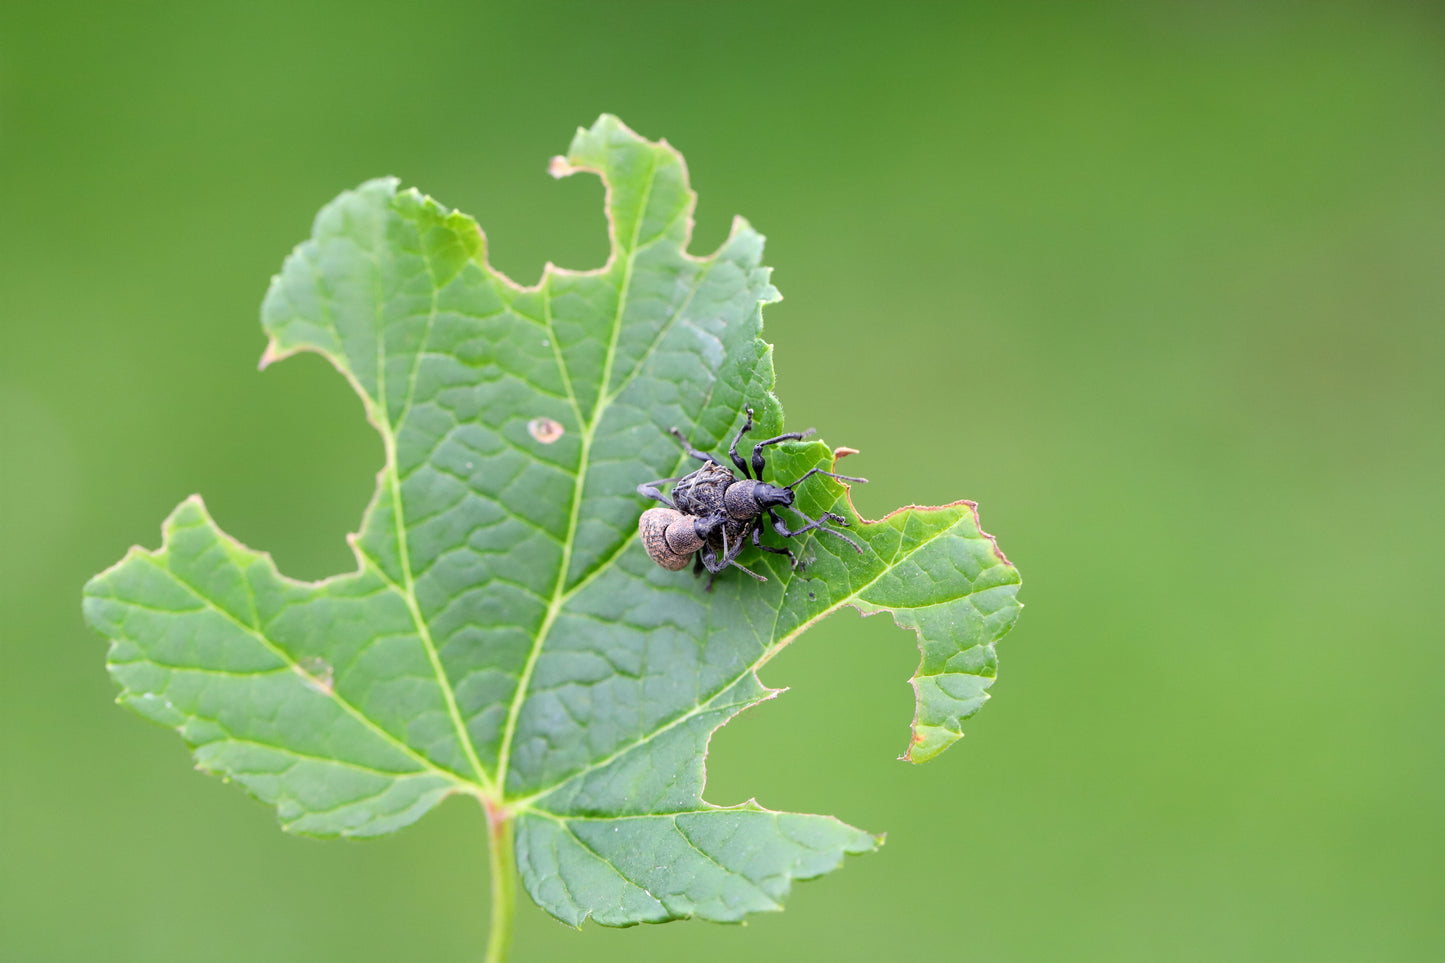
x: 712, y: 514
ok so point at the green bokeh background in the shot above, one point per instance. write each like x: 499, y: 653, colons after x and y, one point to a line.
x: 1161, y: 285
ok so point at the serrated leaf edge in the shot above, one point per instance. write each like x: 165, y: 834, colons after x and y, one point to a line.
x: 972, y: 506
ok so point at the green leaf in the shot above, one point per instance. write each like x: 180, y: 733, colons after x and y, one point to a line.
x: 504, y: 635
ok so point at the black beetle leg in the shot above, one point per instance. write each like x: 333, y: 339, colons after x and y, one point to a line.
x: 731, y: 555
x: 758, y: 543
x: 758, y: 464
x: 818, y: 524
x: 818, y: 471
x: 733, y: 451
x: 710, y: 560
x: 650, y: 490
x: 687, y: 446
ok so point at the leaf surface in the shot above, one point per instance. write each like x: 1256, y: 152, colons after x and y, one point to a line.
x: 504, y: 635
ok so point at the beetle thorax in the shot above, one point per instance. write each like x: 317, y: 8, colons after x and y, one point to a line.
x: 748, y: 498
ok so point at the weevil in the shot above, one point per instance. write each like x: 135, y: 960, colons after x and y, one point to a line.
x: 713, y: 514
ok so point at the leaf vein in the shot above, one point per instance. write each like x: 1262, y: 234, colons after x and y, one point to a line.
x: 285, y: 656
x: 408, y: 594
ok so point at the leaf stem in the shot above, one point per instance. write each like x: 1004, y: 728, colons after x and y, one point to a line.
x: 504, y: 882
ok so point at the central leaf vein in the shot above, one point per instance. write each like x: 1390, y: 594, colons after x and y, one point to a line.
x: 382, y: 419
x: 589, y: 432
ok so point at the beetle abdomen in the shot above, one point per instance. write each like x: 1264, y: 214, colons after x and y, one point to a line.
x: 653, y: 528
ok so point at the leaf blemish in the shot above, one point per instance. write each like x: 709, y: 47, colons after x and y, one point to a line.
x: 545, y: 430
x: 318, y: 674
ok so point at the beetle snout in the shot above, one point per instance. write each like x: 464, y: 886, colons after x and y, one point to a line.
x: 771, y: 495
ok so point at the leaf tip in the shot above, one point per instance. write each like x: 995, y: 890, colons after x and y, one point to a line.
x: 560, y: 167
x: 927, y: 743
x: 193, y: 506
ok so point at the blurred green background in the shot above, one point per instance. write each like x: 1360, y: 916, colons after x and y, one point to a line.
x: 1159, y: 284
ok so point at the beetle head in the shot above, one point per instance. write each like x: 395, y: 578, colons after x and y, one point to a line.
x: 771, y: 496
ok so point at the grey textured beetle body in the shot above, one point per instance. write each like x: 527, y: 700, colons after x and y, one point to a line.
x: 671, y: 537
x: 713, y: 514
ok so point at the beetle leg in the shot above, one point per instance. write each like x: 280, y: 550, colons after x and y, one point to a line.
x: 650, y: 490
x: 819, y: 471
x: 708, y: 556
x: 758, y: 543
x: 758, y: 464
x: 708, y: 561
x: 730, y: 558
x: 714, y: 564
x: 733, y: 451
x: 687, y: 446
x: 782, y: 529
x: 817, y: 523
x: 729, y: 552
